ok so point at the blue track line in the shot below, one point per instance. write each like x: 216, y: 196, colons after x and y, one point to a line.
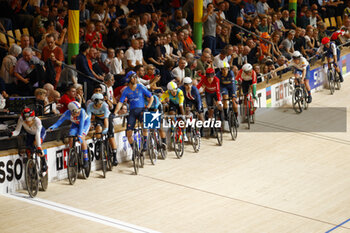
x: 338, y: 226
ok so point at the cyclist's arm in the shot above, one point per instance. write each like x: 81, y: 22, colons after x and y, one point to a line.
x: 18, y: 127
x: 38, y: 132
x: 254, y: 81
x: 64, y: 117
x: 149, y: 95
x: 218, y: 95
x: 164, y: 96
x: 197, y: 97
x: 334, y: 51
x: 319, y: 50
x: 181, y: 101
x: 89, y: 110
x: 120, y: 103
x: 82, y: 120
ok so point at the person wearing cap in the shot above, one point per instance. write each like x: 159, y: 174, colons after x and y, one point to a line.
x: 332, y: 54
x: 79, y: 128
x: 247, y: 78
x: 301, y: 70
x: 136, y: 95
x: 99, y: 108
x: 228, y: 88
x: 211, y: 85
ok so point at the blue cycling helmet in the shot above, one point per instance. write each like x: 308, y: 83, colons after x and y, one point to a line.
x: 129, y: 75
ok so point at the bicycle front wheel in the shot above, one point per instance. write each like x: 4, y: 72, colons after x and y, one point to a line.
x: 44, y: 181
x: 331, y: 82
x: 178, y: 142
x: 152, y: 147
x: 219, y: 130
x: 337, y: 81
x: 297, y: 100
x: 103, y: 154
x: 72, y: 168
x: 232, y: 125
x: 195, y: 139
x: 135, y: 157
x: 248, y: 113
x: 32, y: 178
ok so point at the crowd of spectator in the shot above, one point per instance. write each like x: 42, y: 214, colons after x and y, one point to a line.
x: 155, y: 39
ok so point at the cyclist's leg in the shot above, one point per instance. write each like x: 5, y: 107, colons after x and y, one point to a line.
x: 84, y: 148
x: 144, y: 131
x: 307, y: 84
x: 131, y: 120
x: 233, y: 95
x: 245, y: 89
x: 42, y: 155
x: 73, y: 132
x: 210, y: 104
x: 111, y: 140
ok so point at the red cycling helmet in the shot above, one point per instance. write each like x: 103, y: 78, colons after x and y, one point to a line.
x: 28, y: 114
x: 325, y: 40
x: 210, y: 72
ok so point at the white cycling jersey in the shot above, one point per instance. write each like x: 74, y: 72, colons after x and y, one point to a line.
x: 34, y: 129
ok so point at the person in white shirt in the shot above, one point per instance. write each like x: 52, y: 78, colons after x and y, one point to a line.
x: 116, y: 65
x: 110, y: 57
x: 132, y: 55
x: 143, y: 26
x: 179, y: 71
x: 107, y: 90
x: 220, y: 59
x: 301, y: 70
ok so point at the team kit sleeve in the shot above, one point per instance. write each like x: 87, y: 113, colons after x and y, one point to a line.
x: 18, y: 127
x: 217, y: 84
x: 105, y: 110
x: 83, y: 118
x: 164, y: 96
x: 38, y: 131
x: 64, y: 117
x: 197, y: 97
x: 124, y: 94
x: 181, y: 98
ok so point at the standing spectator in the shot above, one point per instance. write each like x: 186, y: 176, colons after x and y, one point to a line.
x: 68, y: 75
x: 107, y: 89
x: 132, y: 55
x: 287, y: 45
x: 143, y: 26
x: 262, y: 8
x: 82, y: 65
x: 210, y: 19
x: 8, y: 67
x: 53, y: 53
x: 38, y: 29
x: 68, y: 97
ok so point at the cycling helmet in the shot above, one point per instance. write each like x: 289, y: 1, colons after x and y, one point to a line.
x: 28, y: 114
x: 187, y: 80
x: 129, y: 75
x: 225, y: 65
x: 296, y: 55
x: 210, y: 72
x: 171, y: 86
x: 325, y: 40
x: 74, y: 106
x: 247, y: 67
x: 97, y: 98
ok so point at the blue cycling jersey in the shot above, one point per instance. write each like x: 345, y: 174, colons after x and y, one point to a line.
x: 228, y: 79
x: 82, y: 122
x: 155, y: 103
x: 136, y: 98
x: 103, y: 112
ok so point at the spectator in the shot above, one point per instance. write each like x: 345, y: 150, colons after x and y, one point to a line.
x: 188, y: 44
x: 210, y: 19
x: 40, y: 101
x: 252, y: 57
x: 54, y: 55
x: 53, y: 100
x: 117, y: 65
x: 68, y: 75
x: 166, y: 73
x: 113, y: 35
x: 263, y: 27
x: 8, y: 67
x: 277, y: 23
x: 262, y: 8
x: 179, y: 71
x: 299, y: 42
x: 309, y: 41
x: 190, y: 70
x: 275, y: 41
x: 154, y: 54
x: 94, y: 65
x: 86, y: 76
x: 140, y: 72
x: 28, y: 71
x: 132, y: 56
x: 38, y: 29
x: 202, y: 62
x: 222, y: 40
x: 265, y: 46
x: 237, y: 34
x: 287, y: 21
x: 143, y: 26
x: 220, y: 59
x: 287, y: 45
x: 68, y: 97
x: 304, y: 20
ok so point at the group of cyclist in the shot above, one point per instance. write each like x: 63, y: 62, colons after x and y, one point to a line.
x: 181, y: 97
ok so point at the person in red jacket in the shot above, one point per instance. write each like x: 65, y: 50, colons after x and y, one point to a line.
x: 211, y: 85
x: 68, y: 97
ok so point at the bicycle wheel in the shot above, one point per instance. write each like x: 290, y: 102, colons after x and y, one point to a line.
x: 86, y: 171
x: 109, y: 157
x: 195, y: 139
x: 103, y: 154
x: 219, y: 130
x: 72, y: 168
x: 163, y: 153
x: 252, y: 111
x: 248, y: 113
x: 331, y: 82
x: 32, y: 178
x: 232, y: 124
x: 297, y: 100
x: 135, y: 157
x: 152, y: 147
x: 337, y: 81
x: 178, y: 142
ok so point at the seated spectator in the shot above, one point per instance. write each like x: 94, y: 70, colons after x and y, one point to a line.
x: 28, y: 71
x: 53, y: 102
x: 223, y: 39
x: 107, y: 90
x: 277, y: 23
x: 132, y: 56
x: 190, y: 69
x: 256, y: 68
x: 166, y: 73
x: 153, y: 54
x: 287, y: 21
x: 262, y: 8
x: 309, y: 42
x: 304, y: 20
x: 263, y: 26
x: 40, y: 101
x: 202, y: 62
x: 265, y: 47
x: 110, y: 57
x: 8, y: 67
x: 68, y: 75
x: 275, y: 41
x: 38, y: 28
x: 80, y: 95
x: 150, y: 69
x: 176, y: 45
x: 95, y: 67
x: 281, y: 60
x: 220, y: 59
x: 68, y: 97
x: 299, y: 41
x: 189, y: 46
x: 179, y: 71
x: 153, y: 84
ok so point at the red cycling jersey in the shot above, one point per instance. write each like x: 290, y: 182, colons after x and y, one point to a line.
x: 213, y: 87
x: 245, y: 77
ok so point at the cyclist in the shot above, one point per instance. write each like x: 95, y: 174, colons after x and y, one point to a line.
x: 135, y: 93
x: 211, y: 85
x: 80, y: 126
x: 157, y: 106
x: 103, y: 119
x: 332, y: 54
x: 176, y: 99
x: 228, y: 88
x: 301, y: 69
x: 192, y: 97
x: 35, y: 133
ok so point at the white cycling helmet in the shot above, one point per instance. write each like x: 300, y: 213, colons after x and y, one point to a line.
x: 247, y: 67
x: 296, y: 54
x: 187, y: 80
x: 171, y: 86
x: 74, y: 106
x: 97, y: 96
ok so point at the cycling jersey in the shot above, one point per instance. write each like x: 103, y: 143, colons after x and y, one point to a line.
x: 80, y: 124
x: 192, y: 96
x: 136, y: 98
x: 155, y: 104
x: 213, y: 87
x: 331, y: 51
x: 178, y: 99
x: 35, y: 129
x: 242, y: 76
x: 102, y: 113
x: 228, y: 79
x: 303, y: 64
